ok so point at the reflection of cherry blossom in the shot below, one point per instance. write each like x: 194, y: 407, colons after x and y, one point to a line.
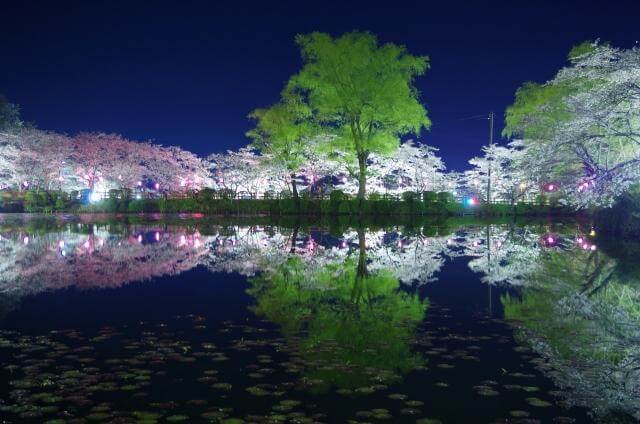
x: 63, y: 259
x: 502, y: 254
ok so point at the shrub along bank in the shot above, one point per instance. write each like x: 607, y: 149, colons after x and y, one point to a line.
x: 411, y: 203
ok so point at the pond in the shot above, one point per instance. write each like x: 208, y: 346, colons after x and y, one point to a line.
x: 107, y: 319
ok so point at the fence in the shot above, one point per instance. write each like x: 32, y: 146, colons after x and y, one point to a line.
x: 228, y: 195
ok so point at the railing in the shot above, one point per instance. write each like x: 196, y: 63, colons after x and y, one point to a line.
x: 242, y: 195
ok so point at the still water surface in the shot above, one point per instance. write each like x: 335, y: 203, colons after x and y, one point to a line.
x: 196, y: 321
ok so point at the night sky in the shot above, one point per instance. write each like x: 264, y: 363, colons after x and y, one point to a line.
x: 188, y: 73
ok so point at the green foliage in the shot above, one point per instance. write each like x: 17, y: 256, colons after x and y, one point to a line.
x: 582, y: 49
x: 429, y: 197
x: 346, y: 207
x: 410, y: 196
x: 226, y: 193
x: 337, y: 195
x: 537, y: 110
x: 445, y: 197
x: 37, y: 201
x: 359, y: 93
x: 281, y: 131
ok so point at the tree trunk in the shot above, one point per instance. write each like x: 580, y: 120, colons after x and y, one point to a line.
x: 294, y: 192
x: 294, y: 237
x: 294, y: 187
x: 362, y: 175
x: 359, y: 290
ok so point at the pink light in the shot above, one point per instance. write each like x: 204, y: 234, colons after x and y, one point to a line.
x: 593, y: 247
x: 585, y: 246
x: 196, y: 243
x: 399, y: 243
x: 25, y: 240
x: 343, y: 244
x: 87, y: 244
x: 550, y: 240
x: 139, y: 183
x: 580, y: 239
x: 139, y: 238
x: 183, y: 240
x: 551, y: 186
x: 26, y: 184
x: 157, y: 236
x: 157, y: 186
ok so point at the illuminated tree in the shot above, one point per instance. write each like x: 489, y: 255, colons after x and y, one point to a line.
x: 582, y: 128
x: 500, y: 174
x: 281, y: 134
x: 360, y: 92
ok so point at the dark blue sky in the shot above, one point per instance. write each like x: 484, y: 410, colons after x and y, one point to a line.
x: 187, y: 73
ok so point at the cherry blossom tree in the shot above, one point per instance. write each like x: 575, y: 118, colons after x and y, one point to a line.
x: 501, y: 175
x: 581, y: 129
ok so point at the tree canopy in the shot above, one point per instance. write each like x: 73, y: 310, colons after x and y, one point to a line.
x: 582, y: 128
x: 360, y: 92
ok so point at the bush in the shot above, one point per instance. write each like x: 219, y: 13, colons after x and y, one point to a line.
x: 429, y: 197
x: 226, y: 193
x: 337, y: 195
x: 288, y: 206
x: 410, y: 196
x: 346, y: 207
x: 135, y: 206
x: 375, y: 197
x: 445, y: 197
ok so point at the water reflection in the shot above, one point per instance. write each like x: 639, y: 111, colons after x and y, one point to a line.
x: 351, y: 325
x: 352, y: 307
x: 580, y: 309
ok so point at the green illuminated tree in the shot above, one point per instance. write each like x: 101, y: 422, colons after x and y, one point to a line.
x: 282, y: 134
x: 359, y: 92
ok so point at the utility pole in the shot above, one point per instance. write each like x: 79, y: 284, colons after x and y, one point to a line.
x: 491, y: 116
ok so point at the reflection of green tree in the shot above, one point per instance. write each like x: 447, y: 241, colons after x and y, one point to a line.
x: 351, y: 328
x: 582, y: 310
